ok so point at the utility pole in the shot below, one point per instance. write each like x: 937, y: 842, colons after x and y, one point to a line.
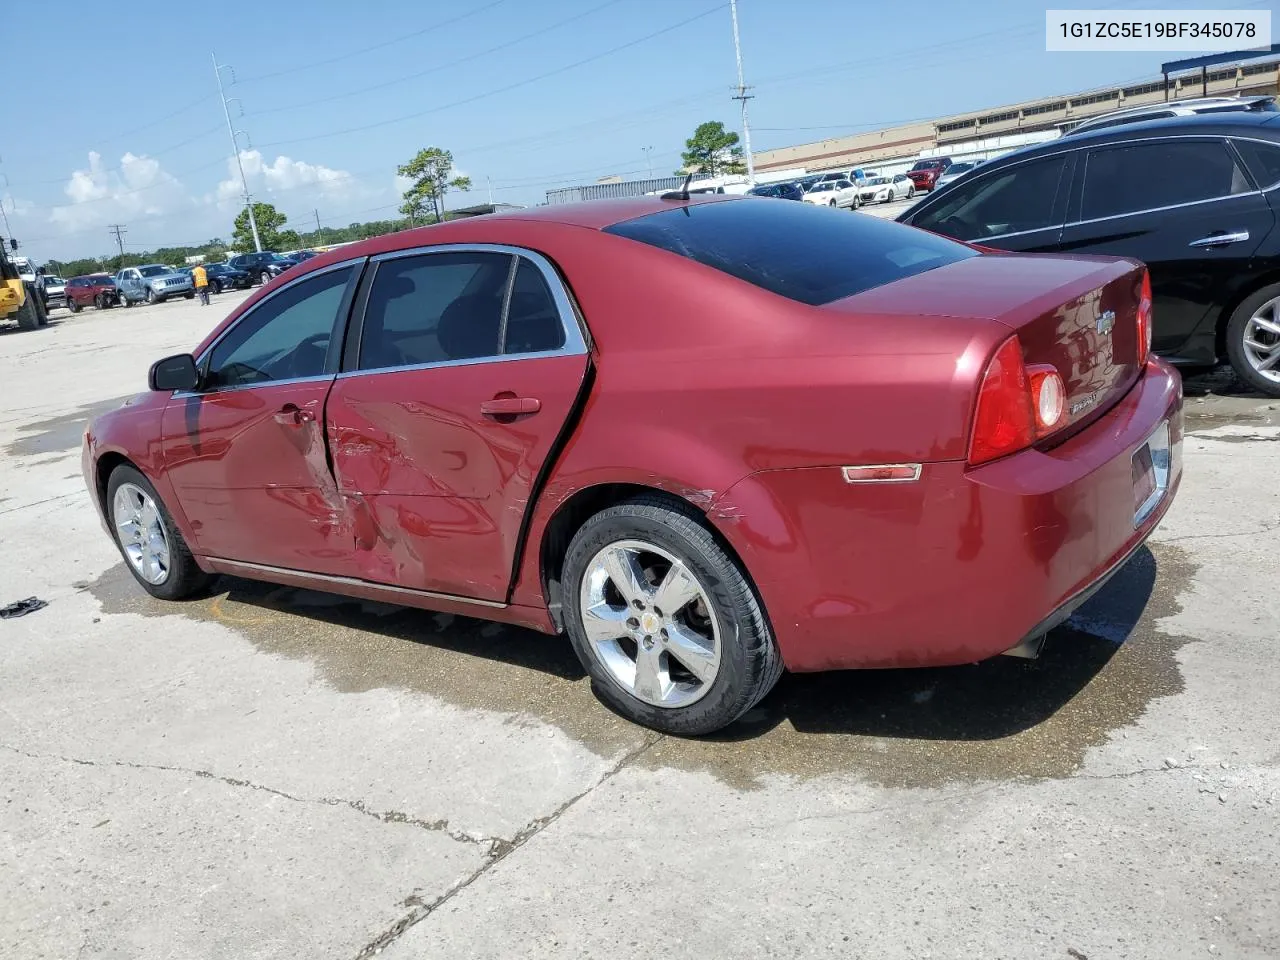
x: 489, y: 181
x: 319, y: 230
x: 648, y: 155
x: 118, y: 231
x: 235, y: 147
x: 742, y: 96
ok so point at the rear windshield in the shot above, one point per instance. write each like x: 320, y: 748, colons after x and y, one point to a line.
x: 797, y: 250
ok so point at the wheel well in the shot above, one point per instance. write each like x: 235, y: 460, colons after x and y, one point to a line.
x: 1224, y: 318
x: 577, y: 510
x: 106, y: 466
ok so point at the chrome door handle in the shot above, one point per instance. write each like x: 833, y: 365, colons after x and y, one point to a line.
x: 1220, y: 239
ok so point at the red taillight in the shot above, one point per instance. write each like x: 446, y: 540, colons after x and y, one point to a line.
x: 1003, y: 422
x: 1144, y: 319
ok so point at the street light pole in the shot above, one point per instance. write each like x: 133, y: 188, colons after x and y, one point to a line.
x: 648, y: 155
x: 742, y: 96
x: 235, y: 148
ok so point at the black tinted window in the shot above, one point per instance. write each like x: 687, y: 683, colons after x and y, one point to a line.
x: 1015, y: 199
x: 794, y: 249
x: 433, y: 308
x: 533, y: 321
x: 1263, y: 161
x: 285, y: 337
x: 1158, y: 173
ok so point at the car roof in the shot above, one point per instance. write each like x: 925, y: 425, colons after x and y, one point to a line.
x: 1192, y: 104
x: 1203, y: 124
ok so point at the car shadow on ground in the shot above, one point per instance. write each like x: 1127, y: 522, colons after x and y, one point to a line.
x: 1218, y: 381
x: 990, y: 700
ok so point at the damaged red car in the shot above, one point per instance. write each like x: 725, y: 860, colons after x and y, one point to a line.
x: 707, y: 439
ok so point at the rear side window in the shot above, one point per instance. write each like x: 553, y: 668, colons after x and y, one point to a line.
x: 1158, y: 173
x: 1017, y: 199
x: 795, y: 250
x: 1263, y: 161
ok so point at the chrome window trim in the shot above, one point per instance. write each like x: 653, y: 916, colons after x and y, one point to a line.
x: 204, y: 354
x: 574, y: 340
x: 986, y: 173
x: 1172, y: 206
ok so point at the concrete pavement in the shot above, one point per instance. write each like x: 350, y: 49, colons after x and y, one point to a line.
x: 274, y: 773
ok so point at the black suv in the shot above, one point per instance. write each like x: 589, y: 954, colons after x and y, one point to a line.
x: 1195, y: 198
x: 782, y: 191
x: 261, y: 266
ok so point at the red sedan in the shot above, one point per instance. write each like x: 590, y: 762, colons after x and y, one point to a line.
x: 706, y: 439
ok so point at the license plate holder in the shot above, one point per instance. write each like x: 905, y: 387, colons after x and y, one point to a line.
x: 1150, y: 467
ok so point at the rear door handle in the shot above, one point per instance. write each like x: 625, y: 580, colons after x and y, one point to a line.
x: 1220, y: 239
x: 293, y: 416
x: 510, y: 406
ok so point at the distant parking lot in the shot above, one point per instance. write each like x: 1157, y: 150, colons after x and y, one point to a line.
x: 269, y: 772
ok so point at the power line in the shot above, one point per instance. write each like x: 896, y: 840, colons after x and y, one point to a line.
x: 360, y: 91
x: 377, y: 46
x: 492, y: 93
x: 142, y: 156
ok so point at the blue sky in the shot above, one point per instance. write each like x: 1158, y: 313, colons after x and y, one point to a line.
x: 124, y: 124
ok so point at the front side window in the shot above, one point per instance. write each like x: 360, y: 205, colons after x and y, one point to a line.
x: 286, y: 337
x: 1016, y: 199
x: 1158, y: 173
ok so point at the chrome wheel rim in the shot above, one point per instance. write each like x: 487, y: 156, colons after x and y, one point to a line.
x: 650, y: 624
x: 1262, y: 340
x: 141, y: 533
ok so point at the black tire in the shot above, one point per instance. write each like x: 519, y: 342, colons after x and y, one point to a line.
x: 151, y: 296
x: 27, y: 316
x: 750, y: 663
x: 911, y: 193
x: 42, y: 312
x: 72, y: 306
x: 264, y: 277
x: 189, y: 295
x: 185, y: 578
x: 1236, y: 328
x: 215, y: 286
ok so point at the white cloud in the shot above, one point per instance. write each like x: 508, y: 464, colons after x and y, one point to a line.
x: 282, y: 175
x: 139, y: 187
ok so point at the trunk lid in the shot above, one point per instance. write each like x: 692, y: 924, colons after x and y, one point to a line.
x: 1078, y: 314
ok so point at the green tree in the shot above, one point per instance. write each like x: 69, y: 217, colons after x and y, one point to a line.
x: 432, y: 174
x: 270, y: 220
x: 712, y: 150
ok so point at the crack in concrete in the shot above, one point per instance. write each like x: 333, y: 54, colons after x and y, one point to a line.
x: 1266, y: 528
x: 497, y: 853
x: 36, y: 503
x: 388, y: 816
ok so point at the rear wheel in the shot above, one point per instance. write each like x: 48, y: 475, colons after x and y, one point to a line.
x: 1253, y: 340
x: 72, y: 306
x: 27, y: 316
x: 151, y: 545
x: 664, y: 620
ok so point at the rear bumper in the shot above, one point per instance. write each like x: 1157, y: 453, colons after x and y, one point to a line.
x: 960, y: 565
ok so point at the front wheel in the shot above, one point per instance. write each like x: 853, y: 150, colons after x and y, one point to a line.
x: 189, y: 294
x: 911, y: 193
x: 151, y: 545
x: 1253, y: 340
x: 151, y: 296
x: 664, y: 620
x: 265, y: 277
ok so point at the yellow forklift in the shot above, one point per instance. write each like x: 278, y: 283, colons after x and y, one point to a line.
x: 21, y: 300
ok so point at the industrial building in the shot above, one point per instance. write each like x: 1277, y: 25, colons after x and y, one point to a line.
x: 982, y: 134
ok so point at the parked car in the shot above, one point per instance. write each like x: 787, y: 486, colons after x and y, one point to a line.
x: 955, y: 172
x: 488, y: 442
x: 780, y: 191
x: 1195, y: 198
x: 96, y: 290
x: 261, y: 266
x: 302, y: 256
x: 224, y: 277
x: 832, y: 193
x: 886, y: 189
x: 924, y: 175
x: 1177, y: 108
x: 55, y: 291
x: 153, y: 283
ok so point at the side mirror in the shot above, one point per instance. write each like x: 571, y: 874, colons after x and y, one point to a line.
x: 174, y: 373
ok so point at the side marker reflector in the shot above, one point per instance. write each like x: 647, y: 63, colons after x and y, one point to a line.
x: 882, y: 473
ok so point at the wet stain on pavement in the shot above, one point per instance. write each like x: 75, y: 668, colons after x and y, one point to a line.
x: 998, y: 720
x: 60, y: 433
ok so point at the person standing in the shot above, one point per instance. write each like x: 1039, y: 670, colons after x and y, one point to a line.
x: 201, y: 278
